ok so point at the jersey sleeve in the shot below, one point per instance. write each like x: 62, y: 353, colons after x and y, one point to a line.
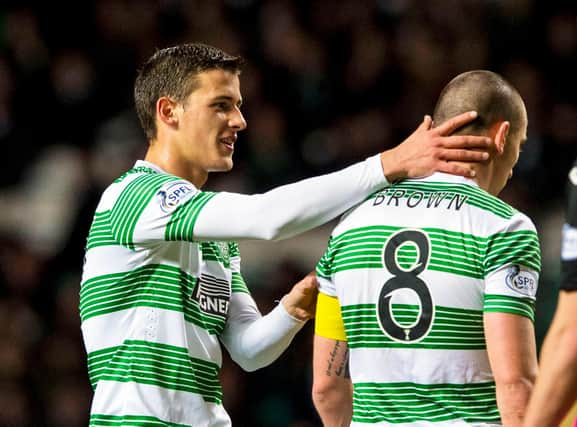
x: 290, y: 209
x: 325, y: 270
x: 160, y: 207
x: 238, y: 284
x: 512, y: 265
x: 328, y: 319
x: 252, y: 340
x: 569, y: 235
x: 156, y: 207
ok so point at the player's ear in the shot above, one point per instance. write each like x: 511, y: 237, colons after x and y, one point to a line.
x: 166, y: 110
x: 501, y: 136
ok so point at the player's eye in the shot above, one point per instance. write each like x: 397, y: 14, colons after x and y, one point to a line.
x: 221, y: 106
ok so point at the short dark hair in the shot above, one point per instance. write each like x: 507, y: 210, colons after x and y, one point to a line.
x: 486, y: 92
x: 172, y: 72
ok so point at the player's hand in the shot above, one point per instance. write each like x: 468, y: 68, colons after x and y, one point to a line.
x: 301, y: 301
x: 429, y: 149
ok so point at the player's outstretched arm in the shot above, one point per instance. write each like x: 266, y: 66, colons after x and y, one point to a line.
x: 513, y: 358
x: 254, y: 341
x: 556, y: 386
x: 295, y: 208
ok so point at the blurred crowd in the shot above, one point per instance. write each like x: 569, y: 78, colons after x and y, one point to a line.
x: 327, y: 82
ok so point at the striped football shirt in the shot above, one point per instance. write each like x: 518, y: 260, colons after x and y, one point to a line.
x: 153, y: 303
x: 414, y: 268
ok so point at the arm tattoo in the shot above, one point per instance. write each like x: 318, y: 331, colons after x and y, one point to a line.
x: 338, y: 365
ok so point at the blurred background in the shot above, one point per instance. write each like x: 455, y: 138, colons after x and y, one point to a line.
x: 327, y: 82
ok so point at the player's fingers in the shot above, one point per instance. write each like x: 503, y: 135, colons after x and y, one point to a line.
x: 466, y: 141
x: 455, y: 123
x: 309, y: 284
x: 464, y: 169
x: 463, y: 155
x: 427, y: 122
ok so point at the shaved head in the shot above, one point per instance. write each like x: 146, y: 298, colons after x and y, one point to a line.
x: 486, y: 92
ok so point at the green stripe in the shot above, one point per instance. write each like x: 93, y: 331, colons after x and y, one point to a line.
x: 506, y: 304
x: 451, y: 252
x: 182, y: 221
x: 409, y: 402
x: 215, y: 251
x: 238, y: 283
x: 156, y: 285
x: 103, y: 420
x: 360, y: 248
x: 516, y: 247
x: 131, y: 203
x: 452, y: 329
x: 161, y: 365
x: 233, y: 249
x: 100, y: 233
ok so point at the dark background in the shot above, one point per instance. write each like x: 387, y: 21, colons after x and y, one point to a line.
x: 326, y: 83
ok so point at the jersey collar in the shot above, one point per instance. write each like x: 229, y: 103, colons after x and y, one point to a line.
x: 445, y: 177
x: 144, y: 163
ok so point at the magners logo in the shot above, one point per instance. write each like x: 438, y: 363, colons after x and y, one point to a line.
x: 212, y: 295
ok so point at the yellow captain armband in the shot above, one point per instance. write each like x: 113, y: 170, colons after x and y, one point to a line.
x: 328, y: 319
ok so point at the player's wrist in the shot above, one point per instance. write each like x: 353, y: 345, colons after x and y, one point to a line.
x: 392, y: 166
x: 292, y: 310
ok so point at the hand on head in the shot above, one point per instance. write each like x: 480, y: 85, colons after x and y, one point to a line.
x: 429, y: 149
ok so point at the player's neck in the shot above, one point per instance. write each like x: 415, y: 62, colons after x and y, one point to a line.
x: 484, y: 177
x: 174, y: 164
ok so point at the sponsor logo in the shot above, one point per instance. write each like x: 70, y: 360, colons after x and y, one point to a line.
x: 173, y: 194
x: 521, y: 281
x: 212, y: 295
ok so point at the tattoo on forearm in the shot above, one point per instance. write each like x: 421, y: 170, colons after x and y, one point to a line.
x: 336, y: 365
x: 343, y: 370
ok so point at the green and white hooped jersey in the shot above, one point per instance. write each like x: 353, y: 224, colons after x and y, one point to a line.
x: 153, y: 303
x: 414, y: 267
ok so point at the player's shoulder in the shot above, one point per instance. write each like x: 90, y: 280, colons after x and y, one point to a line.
x: 135, y: 172
x: 352, y: 218
x: 522, y: 220
x: 142, y: 182
x: 517, y: 222
x: 168, y: 187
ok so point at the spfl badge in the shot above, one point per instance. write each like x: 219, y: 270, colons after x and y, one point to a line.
x: 521, y: 281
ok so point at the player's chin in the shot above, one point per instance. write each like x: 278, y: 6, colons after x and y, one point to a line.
x: 224, y: 165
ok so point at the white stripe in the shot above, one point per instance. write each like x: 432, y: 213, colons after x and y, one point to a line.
x: 466, y: 293
x: 116, y: 398
x: 454, y: 423
x: 150, y: 324
x: 103, y: 260
x: 425, y: 366
x: 112, y: 193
